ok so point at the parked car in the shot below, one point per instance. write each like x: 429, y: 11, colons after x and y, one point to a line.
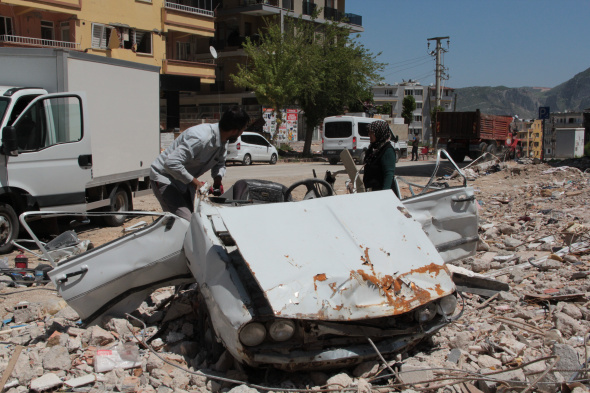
x: 345, y: 273
x: 252, y: 147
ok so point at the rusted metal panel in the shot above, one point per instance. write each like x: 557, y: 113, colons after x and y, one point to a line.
x: 339, y: 258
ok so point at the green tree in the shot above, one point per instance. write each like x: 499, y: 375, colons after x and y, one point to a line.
x: 317, y: 66
x: 272, y: 72
x: 408, y: 107
x: 384, y: 109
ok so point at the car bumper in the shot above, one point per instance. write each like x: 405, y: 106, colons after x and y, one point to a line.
x: 334, y: 153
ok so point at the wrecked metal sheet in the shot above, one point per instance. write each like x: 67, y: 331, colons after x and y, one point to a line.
x: 345, y: 257
x: 449, y: 218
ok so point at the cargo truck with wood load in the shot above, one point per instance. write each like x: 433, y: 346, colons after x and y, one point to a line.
x: 471, y: 134
x: 79, y: 133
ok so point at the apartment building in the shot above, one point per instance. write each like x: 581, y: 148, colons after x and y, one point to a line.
x: 197, y: 43
x: 530, y: 134
x: 560, y: 122
x: 425, y: 97
x: 237, y: 20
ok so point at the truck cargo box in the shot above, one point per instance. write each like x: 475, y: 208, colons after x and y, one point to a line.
x: 472, y: 125
x: 122, y: 96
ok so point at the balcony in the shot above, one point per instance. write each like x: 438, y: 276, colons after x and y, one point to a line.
x: 205, y: 11
x: 252, y: 8
x: 354, y: 19
x: 14, y: 40
x: 333, y: 14
x: 190, y: 20
x: 66, y: 6
x: 205, y: 71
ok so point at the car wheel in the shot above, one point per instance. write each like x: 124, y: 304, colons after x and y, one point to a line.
x: 247, y: 160
x: 398, y: 154
x: 273, y: 159
x: 333, y: 161
x: 119, y: 203
x: 9, y: 228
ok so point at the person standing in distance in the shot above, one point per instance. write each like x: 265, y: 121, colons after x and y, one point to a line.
x: 380, y: 159
x: 415, y: 144
x: 174, y: 174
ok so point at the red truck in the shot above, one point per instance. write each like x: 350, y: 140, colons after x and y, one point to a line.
x: 471, y: 134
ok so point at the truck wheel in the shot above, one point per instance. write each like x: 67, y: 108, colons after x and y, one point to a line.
x: 492, y: 149
x: 9, y: 228
x: 119, y: 203
x: 333, y: 161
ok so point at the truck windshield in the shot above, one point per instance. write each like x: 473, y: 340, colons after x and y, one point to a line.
x: 3, y: 105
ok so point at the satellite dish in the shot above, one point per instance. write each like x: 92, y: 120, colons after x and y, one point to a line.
x: 213, y: 52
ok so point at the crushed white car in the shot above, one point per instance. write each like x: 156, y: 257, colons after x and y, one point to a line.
x: 345, y: 278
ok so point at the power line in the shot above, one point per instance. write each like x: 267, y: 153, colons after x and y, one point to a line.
x: 409, y: 68
x: 403, y: 63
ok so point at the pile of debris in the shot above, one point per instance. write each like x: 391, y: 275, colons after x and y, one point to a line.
x: 525, y: 323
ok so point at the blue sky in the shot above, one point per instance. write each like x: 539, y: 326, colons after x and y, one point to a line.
x: 512, y: 43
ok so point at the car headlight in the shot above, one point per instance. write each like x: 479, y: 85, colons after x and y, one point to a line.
x: 426, y: 313
x: 282, y: 330
x: 252, y: 334
x: 447, y: 305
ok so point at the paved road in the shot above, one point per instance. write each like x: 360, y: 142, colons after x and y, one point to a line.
x: 287, y: 173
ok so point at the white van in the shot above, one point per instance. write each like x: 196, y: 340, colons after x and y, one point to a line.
x: 348, y: 132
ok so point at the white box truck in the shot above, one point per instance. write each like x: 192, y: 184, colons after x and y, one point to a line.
x: 79, y: 133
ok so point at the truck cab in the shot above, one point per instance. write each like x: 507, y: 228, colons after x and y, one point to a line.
x: 42, y: 140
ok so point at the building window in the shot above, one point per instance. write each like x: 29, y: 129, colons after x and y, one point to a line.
x: 65, y: 31
x: 409, y: 92
x: 47, y: 30
x: 418, y: 118
x: 183, y: 50
x: 418, y: 93
x: 388, y: 92
x: 101, y: 35
x: 142, y: 41
x: 418, y: 105
x: 5, y: 25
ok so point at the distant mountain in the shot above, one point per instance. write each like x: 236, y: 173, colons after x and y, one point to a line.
x: 573, y: 95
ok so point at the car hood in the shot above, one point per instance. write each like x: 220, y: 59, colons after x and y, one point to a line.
x: 344, y: 257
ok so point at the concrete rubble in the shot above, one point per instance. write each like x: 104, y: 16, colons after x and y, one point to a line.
x: 530, y: 334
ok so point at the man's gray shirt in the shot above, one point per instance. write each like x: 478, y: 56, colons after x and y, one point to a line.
x: 192, y: 154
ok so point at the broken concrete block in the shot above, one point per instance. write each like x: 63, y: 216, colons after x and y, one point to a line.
x: 25, y: 312
x: 567, y: 325
x: 97, y: 336
x: 366, y: 369
x: 57, y: 358
x: 413, y: 375
x: 486, y: 361
x: 568, y: 359
x: 242, y: 389
x: 46, y: 382
x: 341, y: 380
x: 81, y: 381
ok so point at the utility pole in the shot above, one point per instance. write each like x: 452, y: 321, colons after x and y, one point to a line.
x: 440, y: 74
x: 440, y: 68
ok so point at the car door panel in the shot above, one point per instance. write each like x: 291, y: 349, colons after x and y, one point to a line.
x: 449, y: 218
x: 115, y: 278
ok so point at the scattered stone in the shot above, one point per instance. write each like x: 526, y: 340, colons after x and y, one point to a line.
x: 46, y: 382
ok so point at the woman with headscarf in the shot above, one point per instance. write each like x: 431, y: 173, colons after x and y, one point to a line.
x: 379, y: 159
